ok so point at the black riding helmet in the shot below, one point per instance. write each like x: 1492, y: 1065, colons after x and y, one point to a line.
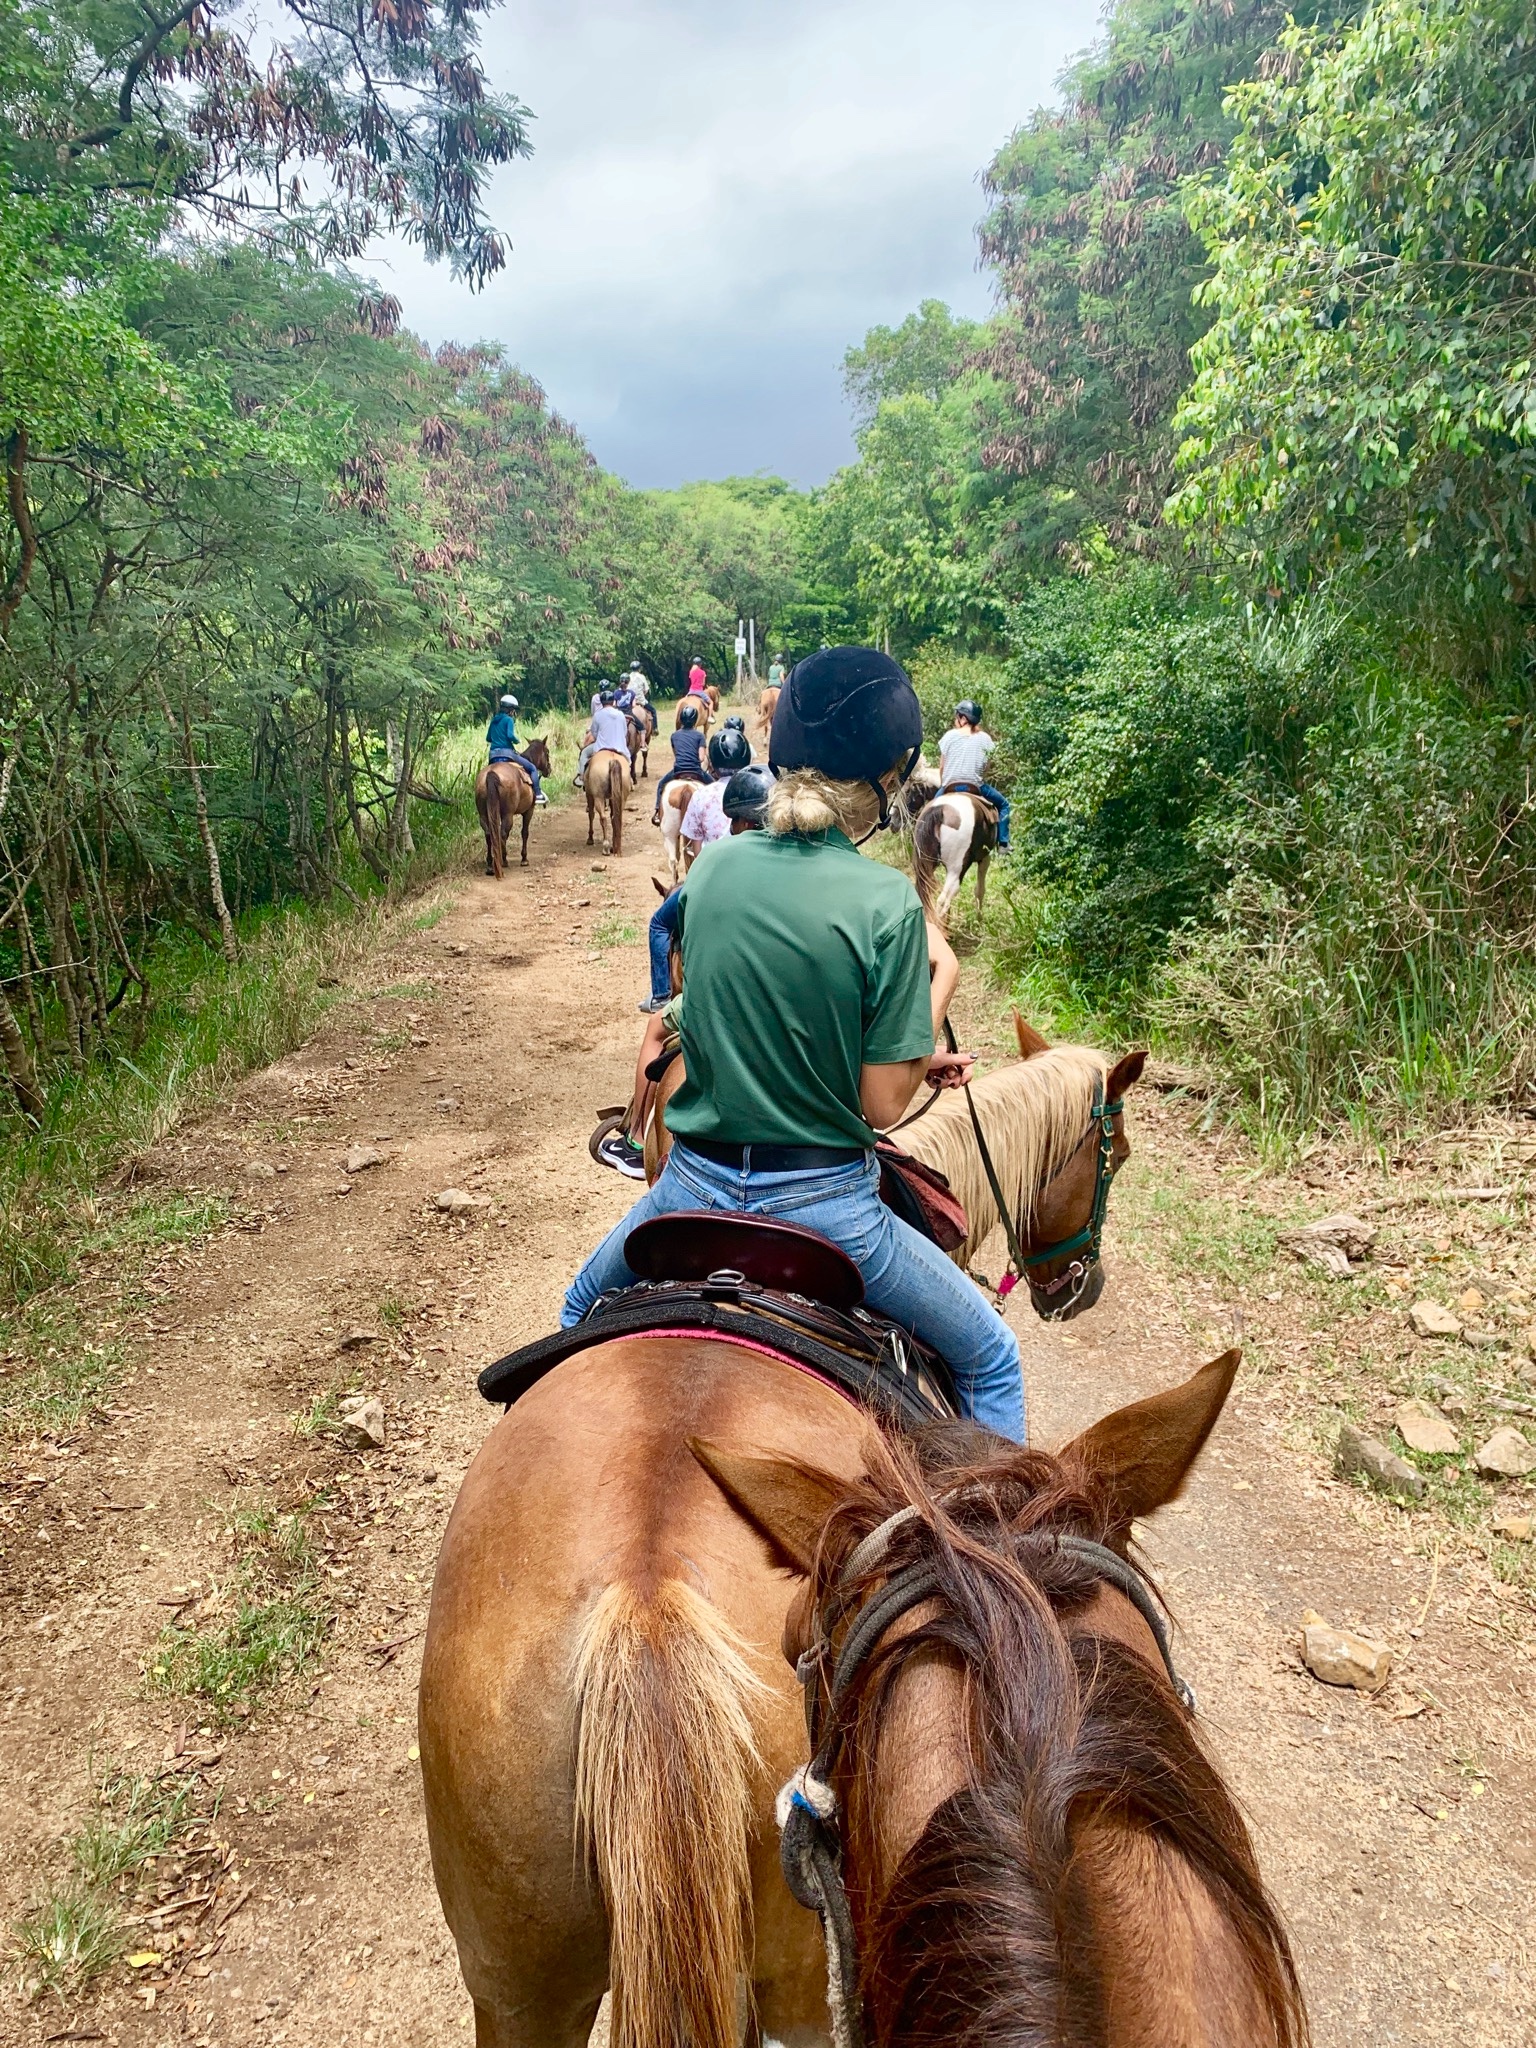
x: 689, y: 715
x: 729, y: 750
x: 851, y: 713
x: 969, y: 710
x: 606, y: 695
x: 735, y: 722
x: 746, y: 794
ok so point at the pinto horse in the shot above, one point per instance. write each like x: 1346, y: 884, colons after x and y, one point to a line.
x: 503, y: 792
x: 1037, y: 1847
x: 955, y: 831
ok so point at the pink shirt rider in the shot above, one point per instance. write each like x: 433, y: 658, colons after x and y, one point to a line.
x: 697, y: 679
x: 705, y: 821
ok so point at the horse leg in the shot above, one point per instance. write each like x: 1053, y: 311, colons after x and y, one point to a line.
x: 527, y: 819
x: 947, y: 895
x: 982, y: 864
x: 591, y: 814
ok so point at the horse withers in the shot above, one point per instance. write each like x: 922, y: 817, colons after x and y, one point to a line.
x: 955, y: 831
x: 607, y: 783
x: 1032, y: 1830
x: 503, y: 792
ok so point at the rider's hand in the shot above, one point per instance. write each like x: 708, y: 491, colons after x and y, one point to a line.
x: 950, y: 1069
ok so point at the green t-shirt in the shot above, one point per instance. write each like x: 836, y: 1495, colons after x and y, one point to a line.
x: 802, y: 962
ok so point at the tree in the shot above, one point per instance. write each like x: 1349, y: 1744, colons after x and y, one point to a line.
x: 1367, y: 392
x: 925, y: 355
x: 1097, y: 265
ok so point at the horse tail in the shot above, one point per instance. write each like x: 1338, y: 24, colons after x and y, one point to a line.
x: 925, y: 853
x: 616, y: 804
x: 665, y: 1758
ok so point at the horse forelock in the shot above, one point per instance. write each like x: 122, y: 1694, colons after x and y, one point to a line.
x: 986, y: 1933
x: 1034, y: 1114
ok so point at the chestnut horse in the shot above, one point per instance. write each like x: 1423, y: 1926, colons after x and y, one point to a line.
x: 503, y: 792
x: 607, y: 783
x: 1037, y: 1848
x: 767, y: 704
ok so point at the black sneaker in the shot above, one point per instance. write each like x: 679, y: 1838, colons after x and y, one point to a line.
x: 623, y: 1155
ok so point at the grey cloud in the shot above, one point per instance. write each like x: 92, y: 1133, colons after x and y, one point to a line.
x: 724, y: 198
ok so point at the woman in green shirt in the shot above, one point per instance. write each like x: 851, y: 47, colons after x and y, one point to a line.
x: 809, y: 1019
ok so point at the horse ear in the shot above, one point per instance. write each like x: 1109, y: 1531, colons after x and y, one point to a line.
x: 1124, y: 1074
x: 1140, y: 1456
x: 661, y: 887
x: 1030, y: 1041
x: 788, y: 1505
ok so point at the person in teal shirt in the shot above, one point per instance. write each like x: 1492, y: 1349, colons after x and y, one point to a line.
x: 813, y: 991
x: 501, y: 738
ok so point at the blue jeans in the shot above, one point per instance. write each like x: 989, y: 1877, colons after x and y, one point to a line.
x: 523, y: 762
x: 995, y: 796
x: 663, y: 925
x: 905, y: 1276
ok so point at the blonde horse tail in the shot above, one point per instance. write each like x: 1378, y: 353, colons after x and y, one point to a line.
x: 665, y: 1758
x: 616, y: 804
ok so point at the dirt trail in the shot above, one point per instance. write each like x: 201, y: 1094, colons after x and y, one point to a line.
x: 1402, y: 1849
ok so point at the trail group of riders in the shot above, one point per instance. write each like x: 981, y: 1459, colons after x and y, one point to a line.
x: 760, y: 1514
x: 805, y: 985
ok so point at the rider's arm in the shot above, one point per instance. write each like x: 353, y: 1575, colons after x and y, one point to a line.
x: 886, y: 1090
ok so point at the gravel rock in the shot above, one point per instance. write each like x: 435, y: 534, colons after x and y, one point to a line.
x: 354, y: 1340
x: 1506, y: 1455
x: 1331, y: 1242
x: 362, y: 1423
x: 258, y: 1169
x: 1433, y: 1319
x: 1513, y: 1528
x: 455, y: 1202
x: 1423, y: 1428
x: 1384, y: 1469
x: 1339, y: 1657
x: 361, y: 1157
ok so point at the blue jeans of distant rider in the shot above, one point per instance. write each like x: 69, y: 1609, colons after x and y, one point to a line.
x: 905, y: 1276
x: 663, y: 925
x: 523, y: 762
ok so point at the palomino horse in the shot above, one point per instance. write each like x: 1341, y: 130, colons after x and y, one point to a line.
x: 503, y: 792
x: 1036, y: 1846
x: 956, y: 832
x: 607, y: 783
x: 1046, y: 1135
x: 706, y: 703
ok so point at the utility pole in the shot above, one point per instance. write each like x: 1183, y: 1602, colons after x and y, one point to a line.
x: 741, y: 648
x: 752, y: 647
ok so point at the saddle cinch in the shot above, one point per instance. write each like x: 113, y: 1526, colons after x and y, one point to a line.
x: 774, y: 1286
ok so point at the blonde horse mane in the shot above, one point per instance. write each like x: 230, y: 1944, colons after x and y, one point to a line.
x: 1034, y: 1114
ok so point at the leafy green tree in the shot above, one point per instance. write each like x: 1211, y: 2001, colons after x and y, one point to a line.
x: 1097, y: 265
x: 925, y: 354
x: 1367, y: 392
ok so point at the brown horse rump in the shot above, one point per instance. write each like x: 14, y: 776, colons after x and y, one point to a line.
x: 871, y: 1361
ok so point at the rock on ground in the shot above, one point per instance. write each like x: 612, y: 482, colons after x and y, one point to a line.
x: 1370, y: 1458
x: 1433, y: 1319
x: 1339, y: 1657
x: 455, y: 1202
x: 361, y: 1157
x: 1423, y: 1428
x: 1331, y: 1242
x: 362, y: 1423
x: 1506, y: 1455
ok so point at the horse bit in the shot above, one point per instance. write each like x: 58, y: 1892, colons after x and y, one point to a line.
x: 810, y: 1845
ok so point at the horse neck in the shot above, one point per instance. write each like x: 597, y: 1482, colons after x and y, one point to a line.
x: 1004, y: 1893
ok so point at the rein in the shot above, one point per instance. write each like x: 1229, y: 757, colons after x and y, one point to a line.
x: 810, y: 1840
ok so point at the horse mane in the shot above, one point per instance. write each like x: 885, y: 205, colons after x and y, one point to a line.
x: 986, y: 1935
x: 1034, y: 1113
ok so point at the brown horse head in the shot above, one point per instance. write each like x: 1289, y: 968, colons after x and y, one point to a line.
x: 538, y: 753
x: 1036, y: 1847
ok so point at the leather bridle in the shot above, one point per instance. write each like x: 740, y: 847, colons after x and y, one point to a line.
x: 810, y: 1840
x: 1054, y: 1297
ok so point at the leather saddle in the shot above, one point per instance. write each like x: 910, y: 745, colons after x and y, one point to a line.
x: 773, y: 1285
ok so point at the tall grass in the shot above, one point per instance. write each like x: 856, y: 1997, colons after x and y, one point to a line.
x: 208, y: 1024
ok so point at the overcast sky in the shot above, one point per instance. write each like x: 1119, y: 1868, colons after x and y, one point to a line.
x: 723, y: 197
